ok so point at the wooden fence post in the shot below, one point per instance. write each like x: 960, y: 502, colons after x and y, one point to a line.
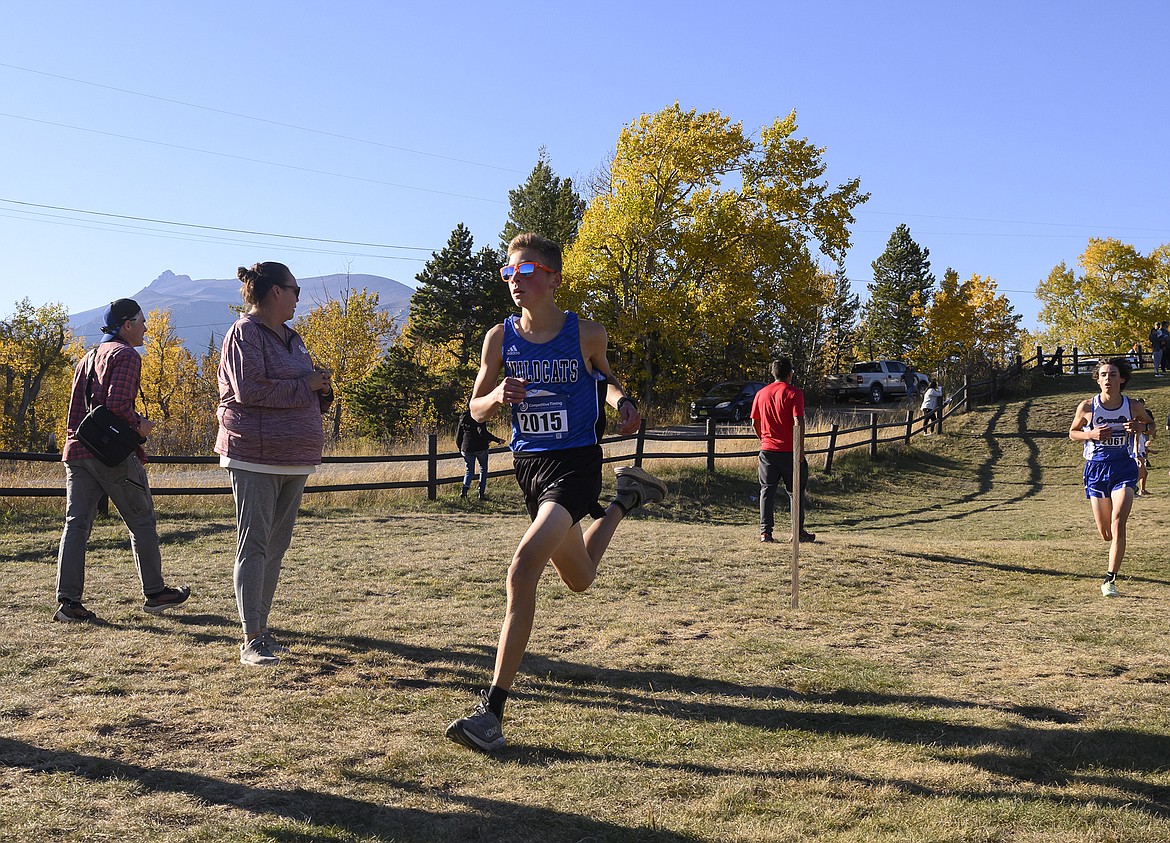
x: 1076, y: 369
x: 1039, y: 357
x: 968, y: 396
x: 832, y: 445
x: 797, y: 474
x: 432, y: 466
x: 710, y: 446
x: 640, y: 444
x: 909, y: 424
x: 872, y: 435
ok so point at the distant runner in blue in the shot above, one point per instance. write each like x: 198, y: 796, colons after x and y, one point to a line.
x: 556, y: 380
x: 1109, y: 424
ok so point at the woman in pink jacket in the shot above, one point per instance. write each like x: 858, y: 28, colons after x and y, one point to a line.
x: 271, y: 398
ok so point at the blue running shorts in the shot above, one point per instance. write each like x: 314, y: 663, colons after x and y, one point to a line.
x: 1103, y: 477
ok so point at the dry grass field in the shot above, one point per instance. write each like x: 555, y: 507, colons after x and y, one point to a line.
x: 952, y: 673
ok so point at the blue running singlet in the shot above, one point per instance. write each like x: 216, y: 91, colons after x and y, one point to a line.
x: 1118, y: 446
x: 564, y: 403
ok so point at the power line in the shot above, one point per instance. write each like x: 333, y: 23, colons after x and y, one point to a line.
x: 179, y: 235
x: 214, y: 227
x: 259, y: 119
x: 251, y: 160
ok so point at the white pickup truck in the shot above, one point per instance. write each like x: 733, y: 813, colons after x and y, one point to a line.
x: 876, y: 380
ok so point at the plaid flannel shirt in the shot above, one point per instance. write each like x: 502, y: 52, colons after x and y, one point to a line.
x: 118, y: 371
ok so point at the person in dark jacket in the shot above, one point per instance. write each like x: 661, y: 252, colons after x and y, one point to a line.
x: 473, y: 439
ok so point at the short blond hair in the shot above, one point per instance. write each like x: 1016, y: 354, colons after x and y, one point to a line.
x: 549, y: 251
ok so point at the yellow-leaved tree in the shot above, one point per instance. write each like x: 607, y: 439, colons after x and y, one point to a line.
x: 36, y: 357
x: 346, y: 334
x: 686, y: 251
x: 968, y: 325
x: 173, y: 391
x: 1107, y: 308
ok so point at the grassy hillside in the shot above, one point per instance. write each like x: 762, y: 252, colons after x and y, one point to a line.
x: 952, y: 673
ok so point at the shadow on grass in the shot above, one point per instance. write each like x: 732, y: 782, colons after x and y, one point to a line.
x: 1155, y: 804
x: 1014, y: 569
x: 988, y: 474
x: 476, y: 818
x: 1048, y: 748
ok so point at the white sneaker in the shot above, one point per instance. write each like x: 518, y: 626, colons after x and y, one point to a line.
x: 1109, y: 589
x: 256, y: 654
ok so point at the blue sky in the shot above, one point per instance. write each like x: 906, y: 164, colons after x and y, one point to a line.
x: 1004, y: 134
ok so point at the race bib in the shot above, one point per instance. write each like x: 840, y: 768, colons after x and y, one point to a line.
x: 542, y: 418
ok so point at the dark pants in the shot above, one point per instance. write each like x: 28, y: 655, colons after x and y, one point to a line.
x: 929, y: 420
x: 774, y: 467
x: 470, y: 458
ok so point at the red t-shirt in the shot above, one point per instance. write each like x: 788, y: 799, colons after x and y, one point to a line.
x: 774, y: 412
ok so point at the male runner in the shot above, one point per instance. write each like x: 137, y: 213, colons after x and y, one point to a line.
x: 557, y: 381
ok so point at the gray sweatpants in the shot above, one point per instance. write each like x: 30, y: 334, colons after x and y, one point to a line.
x: 126, y: 485
x: 266, y: 509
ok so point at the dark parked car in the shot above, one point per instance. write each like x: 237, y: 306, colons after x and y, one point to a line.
x: 731, y: 401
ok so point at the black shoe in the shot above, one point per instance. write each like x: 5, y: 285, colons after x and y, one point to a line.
x: 72, y: 611
x: 483, y: 496
x: 766, y: 537
x: 168, y: 598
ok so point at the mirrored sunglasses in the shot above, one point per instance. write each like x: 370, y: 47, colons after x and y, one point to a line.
x: 524, y: 270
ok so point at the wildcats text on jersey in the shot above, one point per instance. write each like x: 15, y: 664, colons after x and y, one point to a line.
x: 544, y: 371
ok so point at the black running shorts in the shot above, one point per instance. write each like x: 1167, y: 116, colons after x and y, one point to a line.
x: 570, y: 477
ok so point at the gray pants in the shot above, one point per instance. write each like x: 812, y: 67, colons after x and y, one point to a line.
x: 126, y: 485
x: 266, y: 509
x: 776, y: 467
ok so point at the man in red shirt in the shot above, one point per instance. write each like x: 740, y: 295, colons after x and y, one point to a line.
x: 777, y: 414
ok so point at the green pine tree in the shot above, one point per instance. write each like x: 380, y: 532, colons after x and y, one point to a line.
x: 893, y: 318
x: 459, y: 297
x: 393, y: 398
x: 545, y: 204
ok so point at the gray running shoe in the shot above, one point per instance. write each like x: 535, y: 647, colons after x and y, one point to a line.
x: 274, y: 646
x: 257, y: 654
x: 637, y: 487
x: 168, y: 598
x: 72, y: 611
x: 479, y: 730
x: 1109, y: 589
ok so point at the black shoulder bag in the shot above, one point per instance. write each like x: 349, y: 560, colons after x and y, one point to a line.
x: 109, y: 436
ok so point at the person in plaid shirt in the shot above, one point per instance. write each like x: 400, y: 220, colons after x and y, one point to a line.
x: 118, y: 370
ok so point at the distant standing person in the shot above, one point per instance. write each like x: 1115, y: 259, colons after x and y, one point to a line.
x: 778, y: 417
x: 1164, y: 344
x: 117, y: 375
x: 271, y: 398
x: 473, y: 439
x: 1157, y: 348
x: 911, y: 381
x: 1107, y: 425
x: 932, y: 402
